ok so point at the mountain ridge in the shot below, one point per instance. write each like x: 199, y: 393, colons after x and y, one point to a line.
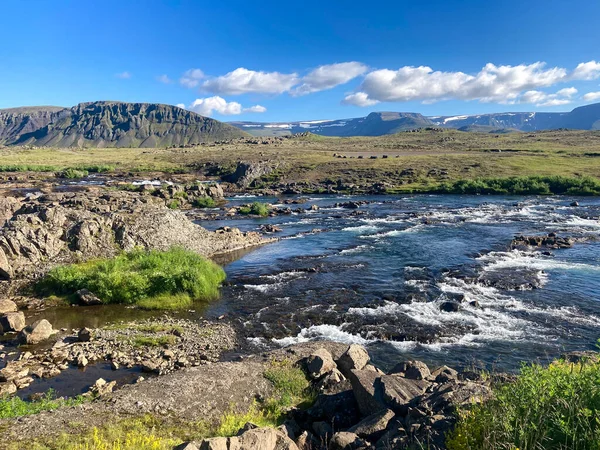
x: 110, y: 124
x: 584, y: 117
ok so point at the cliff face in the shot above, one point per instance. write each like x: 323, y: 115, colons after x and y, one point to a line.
x: 111, y: 124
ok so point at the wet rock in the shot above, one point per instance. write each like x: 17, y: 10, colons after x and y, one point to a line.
x: 37, y: 332
x: 320, y: 363
x: 355, y: 358
x: 86, y: 298
x: 7, y: 306
x: 346, y: 441
x: 84, y: 335
x: 269, y: 228
x: 549, y: 241
x: 574, y: 204
x: 373, y: 426
x: 82, y: 361
x: 13, y: 321
x: 449, y: 307
x: 413, y: 370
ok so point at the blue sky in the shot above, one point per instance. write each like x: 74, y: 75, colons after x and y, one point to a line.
x: 280, y: 61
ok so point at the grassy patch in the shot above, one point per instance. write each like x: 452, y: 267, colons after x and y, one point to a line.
x: 14, y: 407
x: 255, y: 209
x: 534, y: 185
x: 554, y: 407
x: 73, y: 174
x: 150, y: 279
x: 204, y: 202
x: 154, y: 341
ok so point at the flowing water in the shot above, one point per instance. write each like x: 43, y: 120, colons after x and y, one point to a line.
x: 378, y: 277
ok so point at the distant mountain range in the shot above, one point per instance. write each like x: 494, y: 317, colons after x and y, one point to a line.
x: 116, y: 124
x: 380, y: 123
x: 110, y: 124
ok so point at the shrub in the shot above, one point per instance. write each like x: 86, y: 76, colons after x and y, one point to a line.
x: 255, y: 209
x: 534, y: 185
x: 173, y: 204
x: 554, y: 407
x: 73, y: 174
x: 150, y: 279
x: 204, y: 202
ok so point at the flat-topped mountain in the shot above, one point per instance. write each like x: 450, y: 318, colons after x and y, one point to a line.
x: 110, y: 124
x: 380, y: 123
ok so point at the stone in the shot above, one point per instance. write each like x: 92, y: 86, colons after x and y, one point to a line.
x: 7, y: 388
x: 398, y: 392
x: 444, y: 374
x: 331, y: 380
x: 12, y: 321
x: 86, y: 298
x: 7, y: 306
x: 346, y: 441
x: 339, y: 409
x: 373, y: 426
x: 82, y: 361
x: 449, y: 307
x: 255, y: 439
x: 84, y: 335
x: 320, y: 363
x: 413, y: 370
x: 366, y: 386
x: 102, y: 387
x: 186, y: 446
x: 574, y: 204
x: 323, y: 430
x: 6, y: 271
x: 355, y: 358
x: 35, y: 333
x: 218, y: 443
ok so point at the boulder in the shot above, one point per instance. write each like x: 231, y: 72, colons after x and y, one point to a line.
x: 186, y: 446
x: 12, y: 321
x: 355, y: 358
x: 372, y: 427
x: 346, y: 441
x: 338, y: 409
x: 323, y: 430
x: 35, y: 333
x: 84, y: 335
x: 366, y: 386
x: 444, y: 374
x: 6, y: 271
x: 255, y: 439
x: 7, y: 306
x: 449, y: 307
x: 413, y: 370
x: 397, y: 392
x: 320, y: 363
x: 86, y: 298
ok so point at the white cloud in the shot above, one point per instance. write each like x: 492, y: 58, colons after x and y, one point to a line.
x: 191, y: 78
x: 244, y: 81
x: 359, y: 99
x: 329, y: 76
x: 123, y: 75
x: 206, y: 106
x: 164, y: 79
x: 587, y: 71
x: 501, y: 84
x: 591, y: 96
x: 180, y: 105
x: 539, y: 98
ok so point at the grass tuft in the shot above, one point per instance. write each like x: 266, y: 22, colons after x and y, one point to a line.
x: 554, y: 407
x: 204, y: 202
x: 14, y: 407
x: 150, y: 279
x: 255, y: 209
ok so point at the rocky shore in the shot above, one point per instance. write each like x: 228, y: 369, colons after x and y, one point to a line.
x: 356, y: 404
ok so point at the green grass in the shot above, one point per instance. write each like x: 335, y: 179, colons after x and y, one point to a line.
x: 154, y: 341
x: 150, y: 279
x: 533, y: 185
x: 14, y: 407
x: 204, y: 202
x: 174, y: 204
x: 74, y: 174
x: 554, y: 407
x: 255, y: 209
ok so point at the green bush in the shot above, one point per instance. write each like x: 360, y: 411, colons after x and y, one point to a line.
x: 204, y: 202
x: 173, y: 204
x: 554, y: 407
x: 535, y: 185
x: 150, y: 279
x: 73, y: 174
x: 255, y: 209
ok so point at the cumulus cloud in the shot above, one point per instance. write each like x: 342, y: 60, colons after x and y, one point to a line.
x: 244, y: 81
x: 329, y: 76
x: 180, y: 105
x: 164, y: 79
x: 206, y: 107
x: 501, y: 84
x: 587, y: 71
x: 191, y: 78
x: 591, y: 96
x: 123, y: 75
x: 539, y: 98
